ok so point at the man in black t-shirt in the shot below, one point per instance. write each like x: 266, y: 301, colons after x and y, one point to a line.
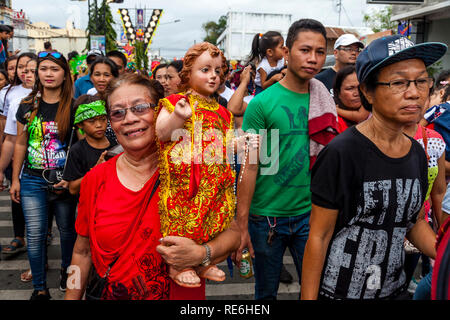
x: 346, y: 51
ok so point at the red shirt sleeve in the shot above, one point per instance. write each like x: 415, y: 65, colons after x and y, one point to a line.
x: 342, y: 126
x: 82, y: 221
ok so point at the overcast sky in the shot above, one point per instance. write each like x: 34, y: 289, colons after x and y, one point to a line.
x: 175, y: 38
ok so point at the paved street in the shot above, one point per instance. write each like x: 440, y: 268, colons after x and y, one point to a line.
x: 11, y: 288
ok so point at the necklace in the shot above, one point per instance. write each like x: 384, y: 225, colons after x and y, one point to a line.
x: 238, y: 179
x: 133, y: 172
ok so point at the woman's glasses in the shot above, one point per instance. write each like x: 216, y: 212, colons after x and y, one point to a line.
x: 139, y: 110
x: 401, y: 85
x: 54, y: 54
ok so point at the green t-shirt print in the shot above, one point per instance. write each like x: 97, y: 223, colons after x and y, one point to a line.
x: 284, y: 190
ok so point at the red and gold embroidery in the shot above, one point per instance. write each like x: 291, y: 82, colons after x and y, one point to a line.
x: 212, y: 207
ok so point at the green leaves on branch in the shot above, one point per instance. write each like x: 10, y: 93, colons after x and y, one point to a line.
x: 101, y: 22
x: 380, y: 20
x: 214, y: 29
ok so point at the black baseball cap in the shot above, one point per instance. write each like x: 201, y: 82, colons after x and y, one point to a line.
x: 391, y: 49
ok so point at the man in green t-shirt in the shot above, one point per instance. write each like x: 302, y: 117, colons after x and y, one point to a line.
x: 274, y: 194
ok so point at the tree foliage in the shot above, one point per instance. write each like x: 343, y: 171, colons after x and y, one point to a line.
x: 214, y: 29
x: 380, y: 20
x: 101, y: 22
x: 108, y: 26
x: 435, y: 69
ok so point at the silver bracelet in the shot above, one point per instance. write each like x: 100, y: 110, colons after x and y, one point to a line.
x: 207, y: 260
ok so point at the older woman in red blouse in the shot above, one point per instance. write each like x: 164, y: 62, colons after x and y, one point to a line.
x: 118, y: 221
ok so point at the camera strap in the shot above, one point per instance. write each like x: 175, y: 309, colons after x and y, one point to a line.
x: 43, y: 144
x: 68, y: 148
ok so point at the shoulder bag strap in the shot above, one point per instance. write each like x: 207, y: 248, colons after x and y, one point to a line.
x: 425, y: 142
x: 43, y: 144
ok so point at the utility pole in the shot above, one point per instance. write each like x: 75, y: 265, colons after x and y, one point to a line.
x: 89, y: 9
x: 339, y: 4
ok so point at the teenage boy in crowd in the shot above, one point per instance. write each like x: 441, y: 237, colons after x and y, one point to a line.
x: 346, y: 49
x: 275, y: 198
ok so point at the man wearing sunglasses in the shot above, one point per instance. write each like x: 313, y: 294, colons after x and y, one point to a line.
x: 346, y: 49
x: 83, y: 84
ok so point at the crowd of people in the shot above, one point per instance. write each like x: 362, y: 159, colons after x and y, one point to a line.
x: 154, y: 179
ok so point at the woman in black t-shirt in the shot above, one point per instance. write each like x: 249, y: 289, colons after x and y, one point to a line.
x: 44, y: 131
x: 369, y: 183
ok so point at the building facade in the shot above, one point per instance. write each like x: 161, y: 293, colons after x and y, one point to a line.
x: 30, y: 37
x: 8, y: 16
x: 63, y: 40
x: 236, y: 40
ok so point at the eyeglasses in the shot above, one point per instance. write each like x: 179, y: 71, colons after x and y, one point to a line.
x: 54, y: 54
x: 350, y: 49
x: 401, y: 85
x: 139, y: 110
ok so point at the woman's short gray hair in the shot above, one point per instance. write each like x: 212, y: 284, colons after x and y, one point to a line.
x: 155, y: 89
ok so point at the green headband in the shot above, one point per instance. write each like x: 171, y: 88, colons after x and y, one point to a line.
x: 90, y: 110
